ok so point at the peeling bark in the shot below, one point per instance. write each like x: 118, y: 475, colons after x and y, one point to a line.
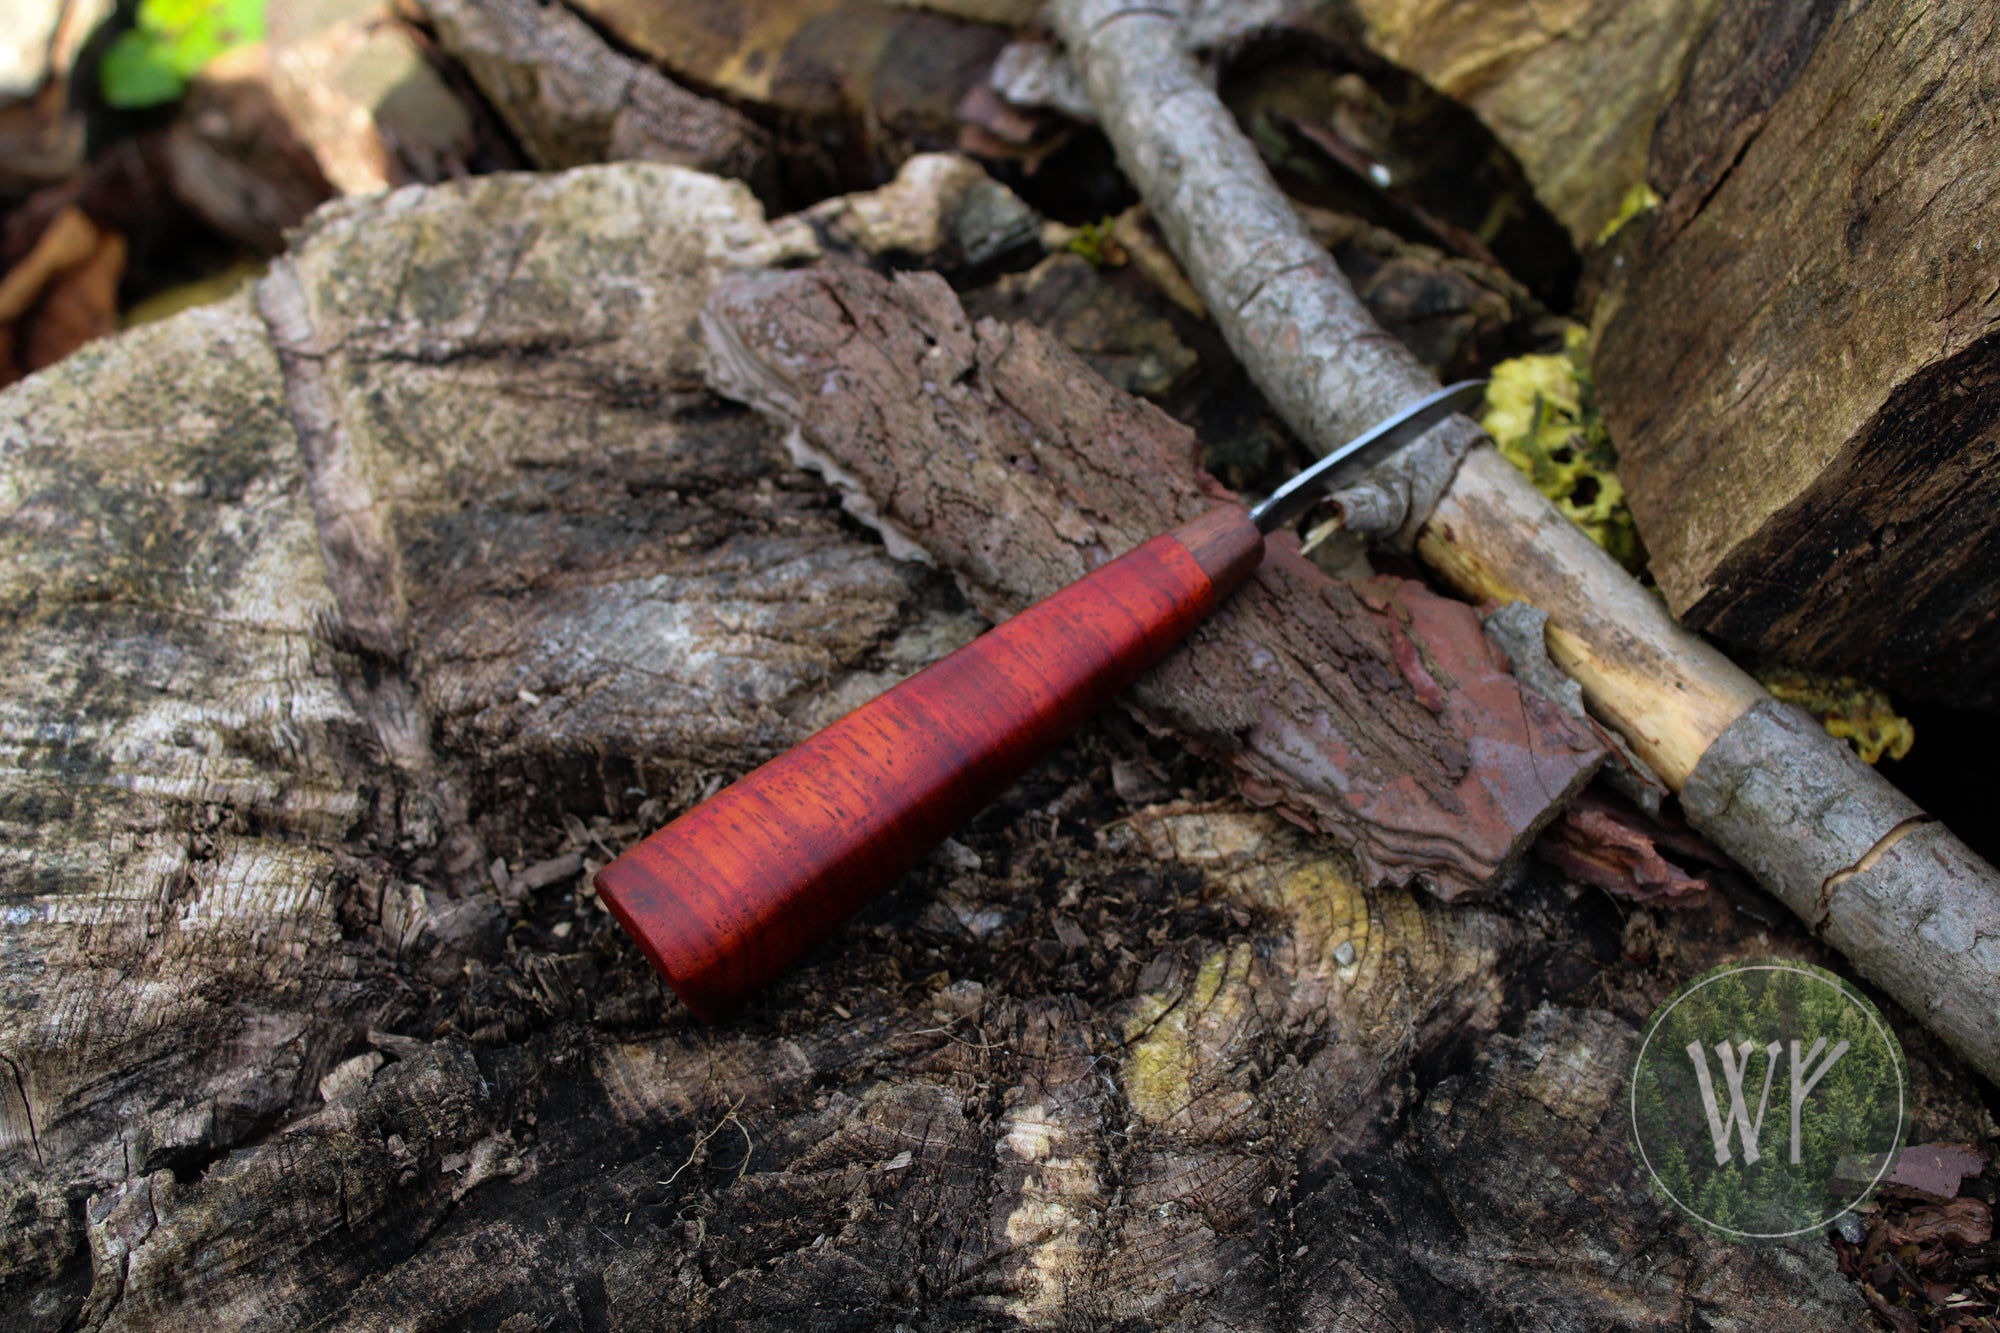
x: 1376, y: 712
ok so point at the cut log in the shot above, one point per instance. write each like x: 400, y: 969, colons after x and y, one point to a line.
x: 572, y: 100
x: 446, y: 509
x: 1376, y: 712
x: 855, y: 86
x: 1803, y: 374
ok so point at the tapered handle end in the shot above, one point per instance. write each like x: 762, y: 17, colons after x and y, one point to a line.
x: 735, y: 891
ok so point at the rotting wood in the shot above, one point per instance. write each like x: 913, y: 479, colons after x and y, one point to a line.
x: 571, y: 99
x: 1803, y: 372
x: 1304, y: 338
x: 264, y: 1063
x: 855, y: 86
x: 1376, y: 712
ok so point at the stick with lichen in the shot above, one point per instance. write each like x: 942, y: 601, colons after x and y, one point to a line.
x: 1913, y: 908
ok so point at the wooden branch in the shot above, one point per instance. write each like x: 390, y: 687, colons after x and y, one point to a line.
x: 1323, y: 363
x: 1376, y: 712
x: 1495, y: 537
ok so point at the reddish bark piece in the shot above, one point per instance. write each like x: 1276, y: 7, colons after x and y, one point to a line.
x: 1926, y: 1170
x: 1958, y: 1223
x: 1617, y: 849
x: 1935, y: 1169
x: 735, y: 891
x: 1000, y: 454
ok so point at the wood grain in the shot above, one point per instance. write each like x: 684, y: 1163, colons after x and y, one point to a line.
x: 1803, y: 373
x: 735, y: 891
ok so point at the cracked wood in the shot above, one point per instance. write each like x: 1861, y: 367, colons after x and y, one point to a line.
x: 1803, y: 372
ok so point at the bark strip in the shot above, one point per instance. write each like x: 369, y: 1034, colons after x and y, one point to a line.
x: 1375, y: 712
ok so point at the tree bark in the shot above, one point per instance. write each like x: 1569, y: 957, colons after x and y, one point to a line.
x: 1803, y: 374
x: 437, y: 554
x: 1376, y: 712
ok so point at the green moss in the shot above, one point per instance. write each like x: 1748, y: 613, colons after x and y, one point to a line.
x: 1542, y: 412
x: 1849, y: 709
x: 1093, y: 241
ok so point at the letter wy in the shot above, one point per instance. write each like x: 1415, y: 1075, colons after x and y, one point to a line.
x: 1735, y: 1063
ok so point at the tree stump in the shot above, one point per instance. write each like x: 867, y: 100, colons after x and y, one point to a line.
x: 353, y: 622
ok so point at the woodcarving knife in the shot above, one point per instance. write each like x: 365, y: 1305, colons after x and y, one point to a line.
x: 733, y: 892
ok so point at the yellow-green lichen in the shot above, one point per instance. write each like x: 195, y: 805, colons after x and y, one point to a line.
x: 1641, y: 198
x: 1095, y: 242
x: 1847, y: 708
x: 1542, y: 412
x: 1168, y: 1036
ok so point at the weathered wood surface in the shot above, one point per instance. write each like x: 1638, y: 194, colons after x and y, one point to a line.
x: 854, y: 86
x: 1803, y: 374
x: 476, y: 568
x: 572, y: 100
x: 1375, y: 712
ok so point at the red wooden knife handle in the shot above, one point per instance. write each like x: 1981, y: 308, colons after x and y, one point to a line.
x: 733, y: 892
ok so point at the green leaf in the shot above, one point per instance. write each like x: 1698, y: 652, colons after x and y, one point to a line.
x: 136, y: 72
x: 174, y: 41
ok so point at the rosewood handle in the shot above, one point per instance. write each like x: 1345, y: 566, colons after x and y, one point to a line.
x: 732, y: 893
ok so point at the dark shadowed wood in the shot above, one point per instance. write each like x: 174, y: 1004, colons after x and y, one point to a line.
x: 738, y: 889
x: 1376, y: 712
x: 1803, y: 374
x: 571, y: 99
